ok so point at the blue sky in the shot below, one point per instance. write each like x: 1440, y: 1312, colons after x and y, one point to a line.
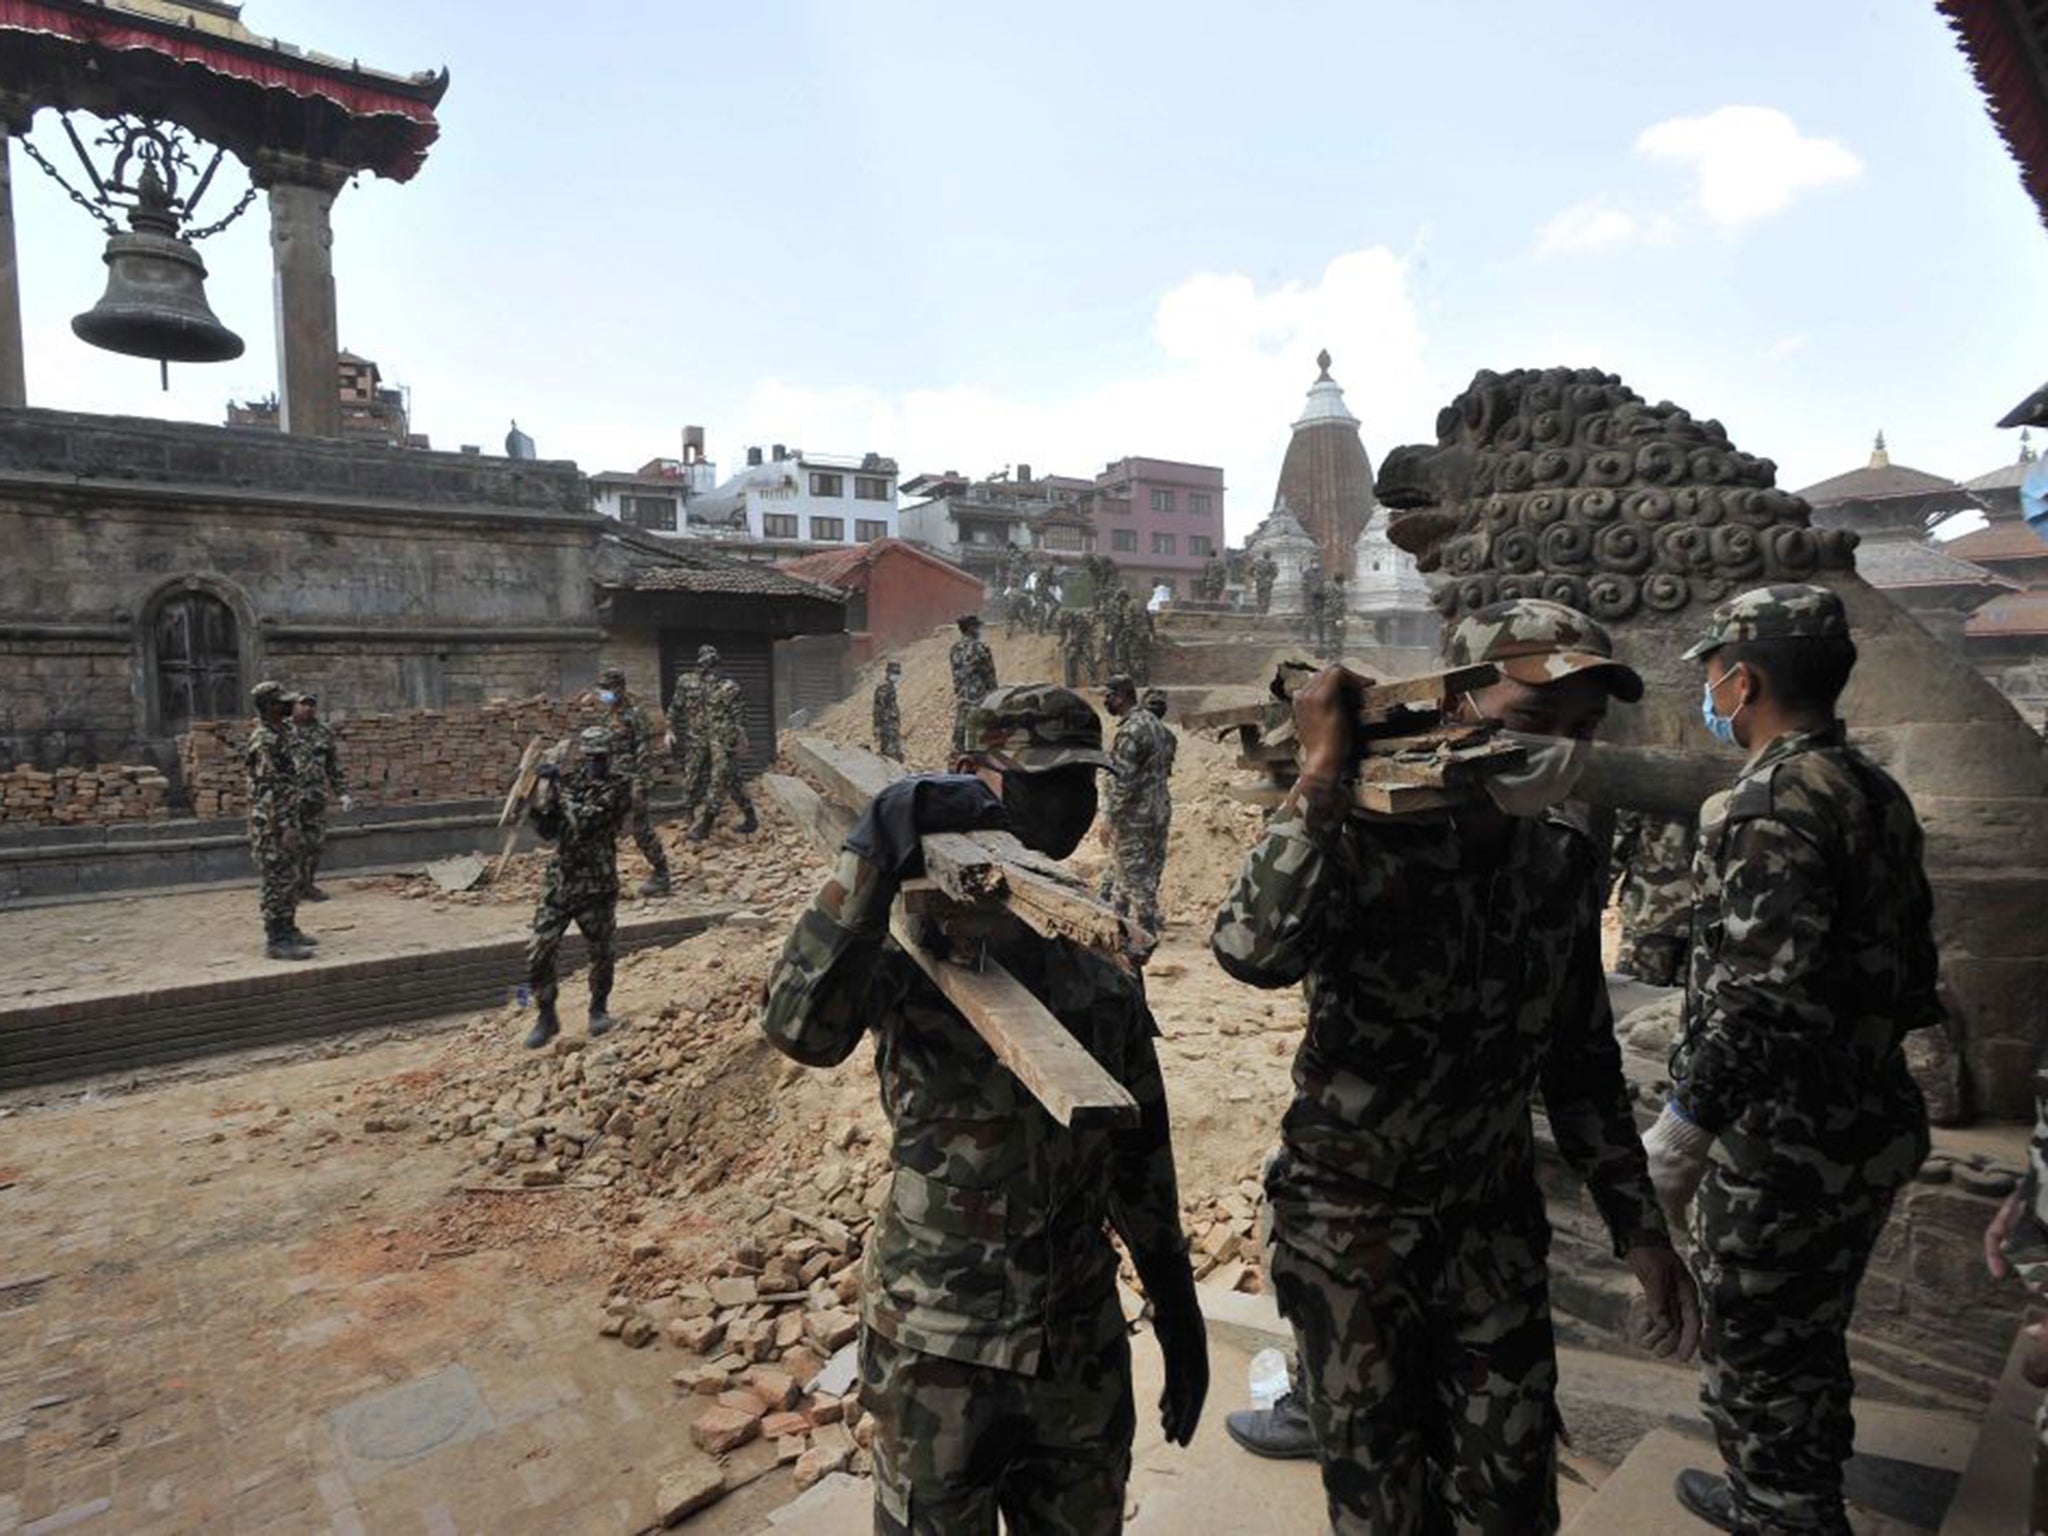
x: 971, y: 236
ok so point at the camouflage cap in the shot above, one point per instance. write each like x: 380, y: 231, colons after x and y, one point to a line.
x: 968, y: 621
x: 1536, y: 641
x: 1120, y: 682
x: 305, y: 697
x: 1155, y: 700
x: 612, y: 677
x: 1793, y: 611
x: 268, y: 692
x: 707, y: 655
x: 594, y: 739
x: 1036, y: 727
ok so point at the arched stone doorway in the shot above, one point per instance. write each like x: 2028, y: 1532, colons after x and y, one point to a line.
x: 196, y: 656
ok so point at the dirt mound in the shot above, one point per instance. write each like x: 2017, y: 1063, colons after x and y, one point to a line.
x: 925, y: 692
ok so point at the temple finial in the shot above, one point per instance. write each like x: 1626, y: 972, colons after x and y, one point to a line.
x: 1878, y: 457
x: 2026, y: 446
x: 1323, y: 362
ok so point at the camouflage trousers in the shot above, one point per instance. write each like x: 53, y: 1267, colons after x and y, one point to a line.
x: 961, y: 709
x: 1073, y: 664
x: 890, y: 744
x: 1137, y: 862
x: 597, y: 917
x: 1778, y: 1281
x: 1656, y: 958
x: 312, y: 842
x: 722, y: 779
x: 955, y: 1443
x: 278, y: 873
x: 1429, y: 1375
x: 696, y: 775
x: 641, y: 824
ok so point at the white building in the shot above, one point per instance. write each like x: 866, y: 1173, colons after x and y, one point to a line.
x: 790, y: 497
x: 656, y: 497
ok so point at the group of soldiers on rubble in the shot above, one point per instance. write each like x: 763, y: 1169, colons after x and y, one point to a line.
x: 1452, y: 971
x: 294, y: 771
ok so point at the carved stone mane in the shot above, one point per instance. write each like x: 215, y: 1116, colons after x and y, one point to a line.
x: 1564, y: 483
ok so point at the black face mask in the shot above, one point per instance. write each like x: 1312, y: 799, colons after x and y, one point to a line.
x: 1050, y: 812
x: 600, y: 767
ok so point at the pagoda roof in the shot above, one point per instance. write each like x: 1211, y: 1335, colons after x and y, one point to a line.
x: 2007, y: 539
x: 1884, y: 482
x: 2016, y: 613
x: 2007, y: 45
x: 1890, y: 564
x: 2006, y: 477
x: 197, y: 66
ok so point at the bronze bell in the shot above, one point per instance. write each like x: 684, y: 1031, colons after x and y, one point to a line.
x: 155, y: 303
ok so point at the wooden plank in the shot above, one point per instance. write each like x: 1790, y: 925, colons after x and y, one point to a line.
x: 522, y: 782
x: 1027, y: 1039
x: 825, y: 825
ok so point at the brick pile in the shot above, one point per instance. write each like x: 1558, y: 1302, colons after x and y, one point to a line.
x: 462, y: 753
x: 98, y: 796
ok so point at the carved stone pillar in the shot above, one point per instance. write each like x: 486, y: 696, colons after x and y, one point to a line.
x: 302, y: 262
x: 15, y: 114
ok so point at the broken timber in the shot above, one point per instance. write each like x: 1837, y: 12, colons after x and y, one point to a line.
x: 963, y: 874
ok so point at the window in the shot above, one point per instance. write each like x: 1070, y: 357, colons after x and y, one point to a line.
x: 1162, y: 543
x: 868, y: 529
x: 1060, y: 536
x: 832, y: 528
x: 1124, y: 540
x: 1199, y: 545
x: 198, y: 662
x: 778, y: 525
x: 871, y: 488
x: 651, y: 512
x: 1162, y: 501
x: 1200, y: 503
x: 827, y: 485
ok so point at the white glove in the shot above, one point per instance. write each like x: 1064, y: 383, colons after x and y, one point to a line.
x: 1677, y: 1151
x: 348, y: 803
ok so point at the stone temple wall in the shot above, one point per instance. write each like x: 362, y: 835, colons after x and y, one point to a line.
x: 381, y: 578
x: 1563, y: 483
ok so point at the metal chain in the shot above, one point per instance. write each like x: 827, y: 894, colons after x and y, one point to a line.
x: 222, y: 223
x: 77, y: 196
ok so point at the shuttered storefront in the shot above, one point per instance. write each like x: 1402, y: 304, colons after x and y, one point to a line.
x: 748, y: 661
x: 810, y: 673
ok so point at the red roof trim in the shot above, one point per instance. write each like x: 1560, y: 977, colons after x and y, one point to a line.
x: 2003, y: 59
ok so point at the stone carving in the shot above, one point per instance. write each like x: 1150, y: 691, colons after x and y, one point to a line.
x: 1564, y: 483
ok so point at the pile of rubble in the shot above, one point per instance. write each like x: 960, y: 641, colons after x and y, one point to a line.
x: 65, y: 797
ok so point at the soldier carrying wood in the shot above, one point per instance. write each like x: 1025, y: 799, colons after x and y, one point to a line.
x: 581, y: 815
x: 994, y: 1356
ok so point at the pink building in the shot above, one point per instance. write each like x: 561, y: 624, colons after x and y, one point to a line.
x: 1159, y: 520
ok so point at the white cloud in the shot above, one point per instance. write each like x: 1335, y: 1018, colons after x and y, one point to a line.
x: 1593, y: 225
x: 1785, y: 346
x: 1233, y: 365
x: 1750, y: 162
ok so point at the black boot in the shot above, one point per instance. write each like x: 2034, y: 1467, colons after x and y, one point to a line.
x: 299, y: 936
x: 1708, y: 1497
x: 656, y: 884
x: 750, y: 823
x: 1279, y: 1433
x: 700, y: 831
x: 600, y: 1021
x: 545, y: 1026
x: 280, y: 945
x: 312, y: 893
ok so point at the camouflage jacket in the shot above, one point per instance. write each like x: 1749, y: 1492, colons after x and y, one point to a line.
x: 1443, y: 993
x: 991, y: 1242
x: 1136, y: 793
x: 273, y: 781
x: 1812, y: 958
x: 632, y: 741
x: 686, y: 712
x: 582, y: 819
x: 974, y: 670
x: 888, y: 712
x: 2027, y: 1248
x: 1652, y: 860
x: 725, y: 716
x: 316, y: 765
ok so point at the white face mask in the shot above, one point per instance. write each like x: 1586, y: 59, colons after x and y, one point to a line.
x: 1547, y: 777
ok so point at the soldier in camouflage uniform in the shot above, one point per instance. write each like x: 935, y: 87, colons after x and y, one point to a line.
x: 316, y: 764
x: 581, y: 815
x: 2017, y: 1244
x: 632, y: 760
x: 974, y: 674
x: 725, y: 738
x: 275, y: 823
x: 994, y: 1355
x: 1265, y: 571
x: 1077, y: 647
x: 1793, y: 1115
x: 1155, y: 700
x: 1336, y: 615
x: 889, y: 714
x: 1312, y: 607
x: 1452, y: 971
x: 1652, y: 862
x: 1137, y: 811
x: 687, y: 737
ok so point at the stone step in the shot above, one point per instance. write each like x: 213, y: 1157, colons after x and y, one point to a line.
x: 116, y: 1032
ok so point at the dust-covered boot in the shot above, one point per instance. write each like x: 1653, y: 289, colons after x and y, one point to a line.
x: 280, y: 945
x: 601, y: 1021
x: 656, y: 884
x: 1708, y: 1497
x: 700, y: 831
x: 300, y: 936
x: 546, y: 1025
x: 750, y: 823
x: 1280, y: 1433
x: 312, y: 893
